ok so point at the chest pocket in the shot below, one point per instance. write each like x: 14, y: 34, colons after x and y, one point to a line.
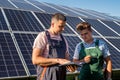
x: 57, y: 48
x: 96, y: 62
x: 95, y: 54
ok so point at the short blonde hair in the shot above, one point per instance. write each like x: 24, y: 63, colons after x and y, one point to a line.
x: 83, y: 25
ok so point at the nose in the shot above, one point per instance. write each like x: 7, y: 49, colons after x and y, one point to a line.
x: 63, y: 29
x: 83, y: 36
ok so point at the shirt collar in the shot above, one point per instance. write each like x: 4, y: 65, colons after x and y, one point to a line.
x: 94, y: 40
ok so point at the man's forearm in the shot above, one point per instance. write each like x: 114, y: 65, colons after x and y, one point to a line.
x: 78, y: 61
x: 109, y: 68
x: 48, y: 64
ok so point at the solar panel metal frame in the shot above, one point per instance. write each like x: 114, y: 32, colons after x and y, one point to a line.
x: 11, y: 57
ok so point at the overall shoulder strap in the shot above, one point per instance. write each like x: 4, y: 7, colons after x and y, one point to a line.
x: 97, y: 43
x: 82, y: 46
x: 62, y: 38
x: 81, y: 52
x: 48, y: 37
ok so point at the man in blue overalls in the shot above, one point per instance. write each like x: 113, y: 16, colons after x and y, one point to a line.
x: 50, y: 49
x: 92, y: 52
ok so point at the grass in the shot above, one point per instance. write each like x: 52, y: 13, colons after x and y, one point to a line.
x: 115, y: 76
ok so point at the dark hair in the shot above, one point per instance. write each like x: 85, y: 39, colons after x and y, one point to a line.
x: 59, y: 16
x: 83, y: 25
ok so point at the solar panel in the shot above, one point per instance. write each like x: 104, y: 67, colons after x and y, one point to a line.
x: 72, y: 42
x: 5, y: 3
x: 84, y: 13
x: 23, y: 1
x: 34, y: 2
x: 100, y: 28
x: 112, y: 25
x: 98, y: 14
x: 73, y: 21
x: 115, y: 55
x: 115, y: 42
x: 75, y: 11
x: 44, y: 7
x: 3, y: 25
x: 25, y: 42
x: 118, y: 22
x: 22, y: 21
x: 70, y: 13
x: 24, y: 5
x: 10, y: 63
x: 25, y: 26
x: 46, y: 18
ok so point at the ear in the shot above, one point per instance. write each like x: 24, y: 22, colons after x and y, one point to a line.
x: 52, y: 24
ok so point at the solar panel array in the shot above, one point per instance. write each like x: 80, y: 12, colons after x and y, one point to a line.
x: 22, y: 20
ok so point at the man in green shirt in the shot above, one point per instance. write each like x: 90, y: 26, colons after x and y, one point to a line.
x: 92, y: 52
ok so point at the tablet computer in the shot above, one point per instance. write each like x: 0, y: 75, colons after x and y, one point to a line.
x: 72, y: 64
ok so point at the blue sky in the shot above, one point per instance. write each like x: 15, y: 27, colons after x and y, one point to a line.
x: 111, y: 7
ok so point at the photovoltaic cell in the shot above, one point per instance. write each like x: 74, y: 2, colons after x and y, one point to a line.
x: 44, y: 7
x: 25, y: 42
x: 70, y: 13
x: 112, y: 25
x: 46, y: 18
x: 22, y: 21
x: 3, y: 25
x: 73, y: 21
x: 34, y: 2
x: 118, y: 22
x: 10, y: 63
x: 85, y: 13
x: 24, y: 5
x: 72, y: 42
x: 115, y: 42
x: 100, y: 28
x: 114, y: 57
x: 6, y: 4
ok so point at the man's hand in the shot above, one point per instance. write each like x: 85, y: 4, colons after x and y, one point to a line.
x: 87, y: 59
x: 71, y: 68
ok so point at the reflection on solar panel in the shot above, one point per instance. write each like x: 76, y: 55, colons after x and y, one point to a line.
x: 10, y: 63
x: 5, y: 3
x: 22, y: 21
x: 3, y: 25
x: 24, y: 5
x: 25, y: 42
x: 46, y: 18
x: 67, y: 11
x: 101, y: 28
x: 85, y: 13
x: 44, y: 7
